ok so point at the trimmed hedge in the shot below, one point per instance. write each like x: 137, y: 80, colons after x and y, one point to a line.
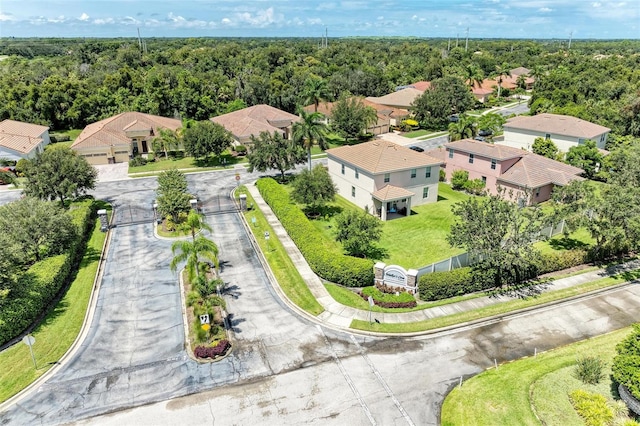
x: 551, y: 262
x: 443, y: 285
x: 626, y: 365
x: 385, y: 300
x: 39, y: 286
x: 322, y: 256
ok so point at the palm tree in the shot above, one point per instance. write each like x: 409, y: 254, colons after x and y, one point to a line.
x: 314, y: 90
x: 473, y: 75
x: 465, y: 127
x: 192, y: 251
x: 166, y: 140
x: 501, y: 71
x: 195, y: 222
x: 309, y: 130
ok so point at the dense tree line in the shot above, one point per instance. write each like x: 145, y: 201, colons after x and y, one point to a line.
x: 67, y: 83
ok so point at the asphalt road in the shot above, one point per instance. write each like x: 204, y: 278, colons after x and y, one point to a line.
x: 284, y: 369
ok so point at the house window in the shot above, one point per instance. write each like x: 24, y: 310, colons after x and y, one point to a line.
x: 353, y: 191
x: 357, y: 174
x: 387, y: 177
x: 484, y: 180
x: 547, y: 136
x: 537, y: 192
x: 414, y: 172
x: 425, y: 192
x: 470, y: 158
x: 581, y: 141
x: 428, y: 172
x: 343, y: 169
x: 493, y: 164
x: 450, y: 153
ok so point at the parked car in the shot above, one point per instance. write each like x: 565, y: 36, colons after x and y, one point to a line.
x: 454, y: 118
x: 479, y: 138
x: 416, y: 148
x: 485, y: 132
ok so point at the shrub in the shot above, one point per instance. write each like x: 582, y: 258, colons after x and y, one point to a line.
x: 443, y: 285
x: 240, y: 149
x: 137, y: 161
x: 324, y: 258
x: 59, y: 138
x: 212, y: 351
x: 442, y: 176
x: 474, y: 186
x: 591, y: 407
x: 626, y: 364
x: 193, y: 297
x: 387, y: 300
x: 589, y: 369
x: 551, y: 262
x: 458, y: 179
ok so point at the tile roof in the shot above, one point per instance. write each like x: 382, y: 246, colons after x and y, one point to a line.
x: 254, y: 120
x: 383, y: 111
x: 520, y: 71
x: 489, y: 150
x: 19, y: 136
x: 557, y: 124
x: 111, y: 131
x: 403, y: 98
x: 381, y: 156
x: 421, y: 85
x: 390, y: 192
x: 531, y: 170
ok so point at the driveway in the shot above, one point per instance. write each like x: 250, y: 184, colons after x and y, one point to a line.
x: 111, y: 172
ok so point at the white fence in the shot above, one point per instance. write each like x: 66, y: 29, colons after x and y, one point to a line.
x: 462, y: 260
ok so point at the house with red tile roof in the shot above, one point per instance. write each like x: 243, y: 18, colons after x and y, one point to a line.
x: 254, y: 120
x: 384, y: 178
x: 402, y: 99
x: 520, y: 172
x: 565, y: 131
x: 22, y: 140
x: 115, y: 139
x: 387, y: 116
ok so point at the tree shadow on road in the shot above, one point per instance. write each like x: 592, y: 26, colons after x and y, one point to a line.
x: 521, y: 291
x: 233, y: 323
x: 232, y: 290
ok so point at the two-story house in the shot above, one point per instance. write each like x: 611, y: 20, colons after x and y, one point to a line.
x: 517, y: 171
x: 22, y: 140
x: 565, y: 131
x: 384, y: 178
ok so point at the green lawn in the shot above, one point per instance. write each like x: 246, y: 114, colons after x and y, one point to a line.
x: 508, y: 395
x: 57, y: 331
x: 285, y: 272
x: 579, y: 239
x: 188, y: 163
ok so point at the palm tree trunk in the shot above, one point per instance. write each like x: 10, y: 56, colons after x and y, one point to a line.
x: 309, y: 157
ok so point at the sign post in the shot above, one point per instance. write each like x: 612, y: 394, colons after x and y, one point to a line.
x: 370, y: 299
x: 29, y: 340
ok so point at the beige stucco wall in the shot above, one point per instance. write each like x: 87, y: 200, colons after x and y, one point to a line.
x: 101, y: 155
x: 524, y: 139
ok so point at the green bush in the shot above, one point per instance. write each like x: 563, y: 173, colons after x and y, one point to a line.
x: 240, y: 149
x: 589, y: 370
x: 137, y: 161
x: 551, y: 262
x: 474, y: 186
x: 59, y: 138
x: 626, y: 364
x: 324, y: 258
x: 443, y: 285
x: 42, y: 282
x: 592, y: 407
x: 459, y: 179
x: 442, y: 175
x: 377, y: 295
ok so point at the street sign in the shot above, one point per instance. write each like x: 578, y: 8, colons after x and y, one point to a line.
x: 204, y: 319
x: 29, y: 340
x: 370, y: 299
x: 266, y: 235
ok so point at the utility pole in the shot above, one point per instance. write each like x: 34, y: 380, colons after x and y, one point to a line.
x: 139, y: 40
x: 570, y: 37
x: 326, y: 37
x: 457, y: 36
x: 449, y: 45
x: 466, y: 44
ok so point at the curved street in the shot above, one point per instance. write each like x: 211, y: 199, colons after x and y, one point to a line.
x: 284, y: 368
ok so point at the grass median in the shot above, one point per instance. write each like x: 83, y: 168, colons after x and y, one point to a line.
x: 497, y: 309
x: 57, y: 331
x: 285, y: 272
x: 505, y: 396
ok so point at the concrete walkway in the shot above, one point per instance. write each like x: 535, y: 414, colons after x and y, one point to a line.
x: 339, y: 315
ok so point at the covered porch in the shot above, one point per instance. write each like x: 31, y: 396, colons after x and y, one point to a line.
x: 392, y: 202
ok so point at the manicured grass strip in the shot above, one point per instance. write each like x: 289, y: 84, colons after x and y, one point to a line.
x: 497, y: 309
x: 502, y: 396
x: 59, y: 329
x: 349, y: 298
x: 185, y: 163
x: 283, y: 268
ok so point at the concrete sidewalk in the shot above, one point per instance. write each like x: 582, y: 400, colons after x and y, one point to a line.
x: 339, y: 315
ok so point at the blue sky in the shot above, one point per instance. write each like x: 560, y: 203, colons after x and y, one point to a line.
x: 302, y: 18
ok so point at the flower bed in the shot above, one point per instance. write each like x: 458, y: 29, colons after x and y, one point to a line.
x: 388, y: 300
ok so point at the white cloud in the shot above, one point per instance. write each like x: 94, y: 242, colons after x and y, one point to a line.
x: 596, y: 4
x: 101, y: 21
x: 260, y: 19
x: 5, y: 17
x: 545, y: 10
x: 414, y: 18
x: 84, y: 17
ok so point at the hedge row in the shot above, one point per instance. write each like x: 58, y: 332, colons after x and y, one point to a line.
x: 42, y: 282
x: 322, y: 256
x: 626, y: 364
x: 403, y: 300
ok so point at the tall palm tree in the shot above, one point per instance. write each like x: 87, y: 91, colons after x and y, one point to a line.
x: 465, y: 127
x: 192, y: 251
x: 473, y: 75
x: 314, y: 90
x: 501, y: 72
x: 195, y: 222
x: 309, y: 130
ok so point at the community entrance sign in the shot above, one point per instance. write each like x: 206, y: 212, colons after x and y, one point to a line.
x: 396, y: 276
